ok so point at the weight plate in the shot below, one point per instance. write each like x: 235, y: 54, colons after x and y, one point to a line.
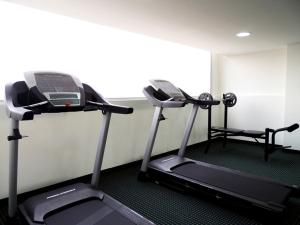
x: 205, y: 97
x: 229, y: 99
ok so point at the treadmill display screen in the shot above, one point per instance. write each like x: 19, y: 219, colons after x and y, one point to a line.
x: 168, y: 88
x: 54, y: 82
x: 60, y: 89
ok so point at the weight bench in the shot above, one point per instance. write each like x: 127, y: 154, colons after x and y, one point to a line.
x: 229, y: 100
x: 264, y: 135
x: 239, y: 132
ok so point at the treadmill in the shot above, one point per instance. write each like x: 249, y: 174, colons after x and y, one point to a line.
x: 220, y: 183
x: 77, y: 204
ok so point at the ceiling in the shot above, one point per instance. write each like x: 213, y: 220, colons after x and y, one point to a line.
x: 206, y: 24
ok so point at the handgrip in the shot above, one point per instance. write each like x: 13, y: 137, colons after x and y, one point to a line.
x: 204, y: 102
x: 289, y: 129
x: 15, y: 112
x: 293, y: 127
x: 195, y: 101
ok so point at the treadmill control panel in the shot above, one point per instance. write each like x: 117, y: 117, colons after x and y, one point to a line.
x: 61, y: 90
x: 169, y: 89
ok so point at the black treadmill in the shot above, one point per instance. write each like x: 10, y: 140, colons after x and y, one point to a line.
x: 219, y: 182
x: 77, y: 204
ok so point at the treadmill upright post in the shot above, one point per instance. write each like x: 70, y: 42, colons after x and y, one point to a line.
x: 13, y: 171
x: 151, y: 139
x: 188, y: 129
x: 100, y: 150
x: 208, y: 130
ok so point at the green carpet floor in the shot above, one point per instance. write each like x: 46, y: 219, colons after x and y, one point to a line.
x: 169, y: 207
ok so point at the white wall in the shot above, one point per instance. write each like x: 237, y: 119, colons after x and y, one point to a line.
x: 217, y: 111
x: 292, y: 102
x: 258, y: 80
x: 97, y: 54
x: 63, y: 146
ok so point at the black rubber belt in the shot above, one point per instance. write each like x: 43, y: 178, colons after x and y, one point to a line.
x: 247, y: 186
x: 93, y: 212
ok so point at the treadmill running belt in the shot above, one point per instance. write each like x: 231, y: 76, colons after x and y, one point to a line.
x: 247, y: 186
x: 93, y: 212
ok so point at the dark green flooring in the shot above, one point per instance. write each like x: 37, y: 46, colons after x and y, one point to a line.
x: 167, y: 207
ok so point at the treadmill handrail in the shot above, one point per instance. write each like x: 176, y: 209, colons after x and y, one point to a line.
x: 15, y: 112
x: 195, y: 101
x: 168, y: 103
x: 203, y: 102
x: 112, y: 108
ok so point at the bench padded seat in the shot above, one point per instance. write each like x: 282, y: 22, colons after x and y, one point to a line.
x: 253, y: 133
x: 227, y: 130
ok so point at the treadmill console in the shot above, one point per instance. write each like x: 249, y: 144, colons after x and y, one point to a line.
x: 60, y: 90
x: 169, y: 89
